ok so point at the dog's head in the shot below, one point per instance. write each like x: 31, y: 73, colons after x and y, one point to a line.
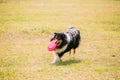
x: 59, y: 38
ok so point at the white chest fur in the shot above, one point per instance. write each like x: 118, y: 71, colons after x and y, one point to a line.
x: 61, y: 49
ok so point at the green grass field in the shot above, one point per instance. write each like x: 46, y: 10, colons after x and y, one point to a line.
x: 26, y: 27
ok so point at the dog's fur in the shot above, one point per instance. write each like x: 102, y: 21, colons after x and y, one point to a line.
x: 66, y: 41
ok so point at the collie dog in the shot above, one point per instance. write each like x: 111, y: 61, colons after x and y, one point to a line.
x: 66, y: 41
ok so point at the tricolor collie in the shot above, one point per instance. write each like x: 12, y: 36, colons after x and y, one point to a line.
x: 66, y: 41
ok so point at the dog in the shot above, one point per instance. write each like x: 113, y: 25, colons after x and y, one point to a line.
x: 66, y: 41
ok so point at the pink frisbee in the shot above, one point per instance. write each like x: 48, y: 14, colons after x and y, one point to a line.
x: 52, y: 45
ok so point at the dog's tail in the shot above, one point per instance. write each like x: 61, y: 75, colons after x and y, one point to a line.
x: 71, y: 27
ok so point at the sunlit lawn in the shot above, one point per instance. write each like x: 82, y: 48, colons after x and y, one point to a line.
x: 26, y: 27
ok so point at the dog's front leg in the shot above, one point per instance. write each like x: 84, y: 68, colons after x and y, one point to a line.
x: 56, y: 58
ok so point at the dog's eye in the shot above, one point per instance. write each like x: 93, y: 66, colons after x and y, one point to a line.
x: 57, y: 42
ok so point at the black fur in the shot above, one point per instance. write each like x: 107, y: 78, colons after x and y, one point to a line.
x: 74, y: 42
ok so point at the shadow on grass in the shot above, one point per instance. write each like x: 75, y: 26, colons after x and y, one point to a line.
x: 68, y: 62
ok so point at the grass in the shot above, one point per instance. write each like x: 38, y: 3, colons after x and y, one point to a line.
x: 26, y: 27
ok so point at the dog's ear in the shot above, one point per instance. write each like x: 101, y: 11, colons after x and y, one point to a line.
x: 55, y: 33
x: 53, y: 36
x: 63, y: 36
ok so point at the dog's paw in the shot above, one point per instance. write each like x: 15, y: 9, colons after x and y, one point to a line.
x: 53, y: 62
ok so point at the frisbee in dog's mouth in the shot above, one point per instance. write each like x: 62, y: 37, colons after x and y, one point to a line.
x: 52, y: 45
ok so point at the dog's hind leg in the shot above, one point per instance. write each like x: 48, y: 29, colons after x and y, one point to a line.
x: 70, y: 52
x: 60, y: 60
x: 74, y: 51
